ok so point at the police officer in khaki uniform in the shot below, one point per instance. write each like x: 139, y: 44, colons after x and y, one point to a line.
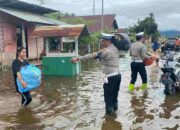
x: 139, y: 53
x: 109, y: 56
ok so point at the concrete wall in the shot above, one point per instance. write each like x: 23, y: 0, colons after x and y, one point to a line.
x: 8, y: 33
x: 10, y: 43
x: 8, y: 40
x: 35, y: 45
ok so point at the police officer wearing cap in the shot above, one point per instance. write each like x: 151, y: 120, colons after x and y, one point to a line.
x: 138, y: 53
x: 109, y: 56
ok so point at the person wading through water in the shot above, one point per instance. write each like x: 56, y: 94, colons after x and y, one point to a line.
x: 139, y: 53
x: 19, y: 62
x: 109, y: 57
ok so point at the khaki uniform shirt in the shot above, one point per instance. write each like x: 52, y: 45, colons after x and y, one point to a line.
x: 138, y: 51
x: 109, y: 59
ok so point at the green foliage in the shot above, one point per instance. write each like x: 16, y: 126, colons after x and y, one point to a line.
x: 85, y: 40
x: 92, y: 39
x: 55, y: 15
x: 105, y: 30
x: 58, y: 15
x: 148, y: 25
x: 132, y: 37
x: 77, y: 20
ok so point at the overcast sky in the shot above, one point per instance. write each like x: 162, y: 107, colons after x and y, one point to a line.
x: 167, y: 12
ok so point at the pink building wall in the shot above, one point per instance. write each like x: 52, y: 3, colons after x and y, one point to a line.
x: 8, y: 32
x: 8, y: 39
x: 10, y: 43
x: 35, y: 46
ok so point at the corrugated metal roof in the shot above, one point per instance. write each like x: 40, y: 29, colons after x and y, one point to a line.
x: 67, y: 30
x: 20, y: 5
x: 95, y: 26
x: 31, y: 17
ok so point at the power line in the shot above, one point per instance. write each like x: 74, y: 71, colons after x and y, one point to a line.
x: 113, y: 7
x: 102, y: 17
x: 94, y: 7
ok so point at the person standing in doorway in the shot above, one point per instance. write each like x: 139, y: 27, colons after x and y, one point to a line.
x: 138, y: 53
x: 19, y: 62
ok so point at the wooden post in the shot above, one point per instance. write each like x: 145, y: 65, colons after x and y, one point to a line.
x: 94, y: 7
x: 99, y: 46
x: 23, y: 35
x: 76, y: 46
x: 89, y: 49
x: 37, y: 48
x: 102, y: 17
x: 62, y: 46
x: 77, y: 54
x: 47, y: 46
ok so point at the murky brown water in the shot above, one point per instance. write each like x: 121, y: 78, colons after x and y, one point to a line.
x: 68, y: 103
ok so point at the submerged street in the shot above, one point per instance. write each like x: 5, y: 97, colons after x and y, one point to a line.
x: 68, y: 103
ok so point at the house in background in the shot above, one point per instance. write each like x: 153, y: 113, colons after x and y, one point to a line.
x: 17, y: 21
x: 94, y: 22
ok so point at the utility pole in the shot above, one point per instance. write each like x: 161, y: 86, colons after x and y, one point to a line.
x: 102, y: 17
x: 94, y: 7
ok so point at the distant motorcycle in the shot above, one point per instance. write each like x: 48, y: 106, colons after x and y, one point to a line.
x: 171, y: 73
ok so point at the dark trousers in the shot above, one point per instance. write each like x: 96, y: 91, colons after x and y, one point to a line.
x: 138, y: 68
x: 111, y: 90
x: 26, y: 98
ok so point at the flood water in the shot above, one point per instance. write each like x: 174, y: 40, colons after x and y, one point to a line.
x: 77, y: 103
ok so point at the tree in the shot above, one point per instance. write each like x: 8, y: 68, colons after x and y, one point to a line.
x: 93, y: 40
x: 58, y: 15
x: 148, y: 25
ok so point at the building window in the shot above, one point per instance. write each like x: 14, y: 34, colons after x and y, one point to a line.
x: 54, y: 44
